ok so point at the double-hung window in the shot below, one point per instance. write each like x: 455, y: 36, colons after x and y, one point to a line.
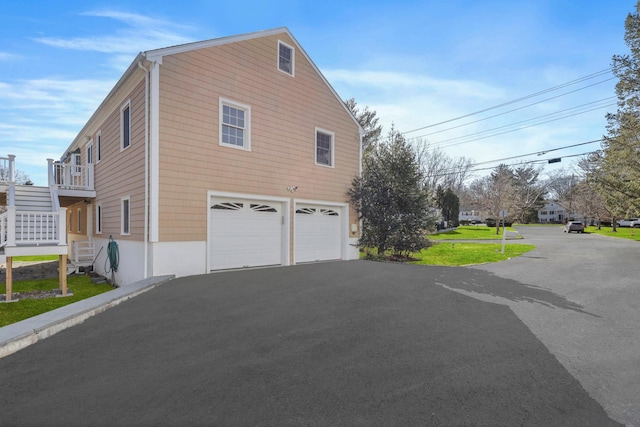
x: 125, y: 126
x: 235, y: 124
x: 324, y: 147
x: 286, y: 58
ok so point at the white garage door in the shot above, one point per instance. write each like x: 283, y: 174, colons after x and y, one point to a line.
x: 245, y: 233
x: 318, y: 233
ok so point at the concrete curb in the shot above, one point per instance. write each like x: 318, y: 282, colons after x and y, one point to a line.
x: 22, y: 334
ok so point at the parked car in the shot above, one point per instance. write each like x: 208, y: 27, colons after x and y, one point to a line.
x: 629, y: 222
x: 577, y: 226
x: 491, y: 222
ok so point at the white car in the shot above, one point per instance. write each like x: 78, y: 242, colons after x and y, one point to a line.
x: 629, y: 222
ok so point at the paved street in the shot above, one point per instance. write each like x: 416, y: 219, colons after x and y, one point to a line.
x: 582, y: 300
x: 522, y: 342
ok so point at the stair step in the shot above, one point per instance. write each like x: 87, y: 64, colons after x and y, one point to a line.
x: 32, y: 198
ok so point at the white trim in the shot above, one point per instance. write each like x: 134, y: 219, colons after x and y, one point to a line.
x: 293, y: 59
x: 333, y: 146
x: 246, y: 139
x: 126, y: 105
x: 122, y: 210
x: 344, y: 226
x: 286, y: 219
x: 157, y: 54
x: 154, y: 154
x: 99, y: 218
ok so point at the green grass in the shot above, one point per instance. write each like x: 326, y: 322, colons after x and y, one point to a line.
x: 81, y: 287
x: 455, y: 254
x: 470, y: 232
x: 622, y: 232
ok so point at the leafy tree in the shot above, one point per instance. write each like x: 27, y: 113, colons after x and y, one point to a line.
x: 619, y: 179
x: 390, y: 198
x: 367, y: 120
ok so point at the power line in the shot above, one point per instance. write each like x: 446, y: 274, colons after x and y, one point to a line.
x: 572, y: 82
x: 511, y: 130
x: 539, y: 153
x: 510, y: 165
x: 519, y: 108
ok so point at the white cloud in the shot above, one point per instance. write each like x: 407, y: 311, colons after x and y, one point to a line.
x: 6, y: 56
x: 141, y: 33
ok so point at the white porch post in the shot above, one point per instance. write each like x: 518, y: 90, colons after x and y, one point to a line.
x: 12, y: 167
x: 11, y: 225
x: 50, y: 171
x: 62, y: 226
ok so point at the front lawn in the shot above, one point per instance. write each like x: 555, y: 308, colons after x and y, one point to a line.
x: 459, y: 253
x: 456, y: 254
x: 622, y: 232
x: 470, y: 232
x: 80, y: 286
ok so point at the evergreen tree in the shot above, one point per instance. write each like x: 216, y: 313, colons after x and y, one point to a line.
x: 390, y: 198
x: 367, y: 120
x: 619, y: 179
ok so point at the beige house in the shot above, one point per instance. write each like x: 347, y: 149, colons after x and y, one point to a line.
x: 227, y: 153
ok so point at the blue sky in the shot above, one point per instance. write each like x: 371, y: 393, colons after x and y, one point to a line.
x: 416, y: 63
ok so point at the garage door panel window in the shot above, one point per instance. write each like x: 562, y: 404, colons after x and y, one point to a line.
x: 228, y: 206
x: 263, y: 208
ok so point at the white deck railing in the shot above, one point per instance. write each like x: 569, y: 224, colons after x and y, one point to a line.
x: 82, y: 253
x: 68, y: 176
x: 32, y: 228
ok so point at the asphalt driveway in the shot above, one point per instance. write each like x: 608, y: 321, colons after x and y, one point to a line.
x: 332, y: 344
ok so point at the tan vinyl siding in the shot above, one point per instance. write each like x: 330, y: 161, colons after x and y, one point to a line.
x: 285, y: 112
x: 121, y: 173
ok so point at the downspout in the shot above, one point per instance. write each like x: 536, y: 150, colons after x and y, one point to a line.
x: 146, y: 170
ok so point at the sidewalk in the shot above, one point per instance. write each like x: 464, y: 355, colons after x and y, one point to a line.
x: 19, y: 335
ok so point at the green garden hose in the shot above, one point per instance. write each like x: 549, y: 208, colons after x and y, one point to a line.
x: 113, y: 258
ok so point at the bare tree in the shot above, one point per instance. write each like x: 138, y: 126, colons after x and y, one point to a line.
x: 494, y: 192
x: 442, y: 170
x: 528, y: 191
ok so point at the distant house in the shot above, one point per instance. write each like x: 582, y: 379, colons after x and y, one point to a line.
x: 227, y: 153
x: 552, y: 212
x: 468, y: 215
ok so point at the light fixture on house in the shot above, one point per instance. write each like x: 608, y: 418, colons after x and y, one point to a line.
x: 292, y: 188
